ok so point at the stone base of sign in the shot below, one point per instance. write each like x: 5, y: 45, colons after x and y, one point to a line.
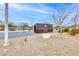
x: 46, y: 35
x: 6, y: 44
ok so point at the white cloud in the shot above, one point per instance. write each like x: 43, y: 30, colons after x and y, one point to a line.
x: 16, y: 6
x: 28, y: 7
x: 40, y: 9
x: 19, y: 20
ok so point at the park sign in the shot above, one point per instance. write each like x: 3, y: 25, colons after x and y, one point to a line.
x: 43, y: 28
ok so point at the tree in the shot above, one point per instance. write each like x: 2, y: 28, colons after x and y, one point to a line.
x: 24, y: 25
x: 12, y: 26
x: 74, y: 30
x: 74, y: 20
x: 59, y: 18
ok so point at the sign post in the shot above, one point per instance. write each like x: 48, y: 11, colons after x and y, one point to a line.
x: 6, y: 25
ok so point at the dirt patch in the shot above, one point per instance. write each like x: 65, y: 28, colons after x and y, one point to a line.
x: 56, y: 45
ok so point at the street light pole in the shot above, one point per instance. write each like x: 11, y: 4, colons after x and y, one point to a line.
x: 6, y: 25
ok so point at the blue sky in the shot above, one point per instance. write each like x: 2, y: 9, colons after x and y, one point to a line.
x: 32, y: 13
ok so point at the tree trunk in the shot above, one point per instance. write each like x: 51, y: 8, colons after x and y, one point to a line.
x: 60, y: 30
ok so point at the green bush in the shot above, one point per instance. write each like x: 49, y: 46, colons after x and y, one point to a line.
x: 12, y: 28
x: 1, y: 27
x: 66, y: 30
x: 77, y: 30
x: 57, y: 27
x: 74, y: 32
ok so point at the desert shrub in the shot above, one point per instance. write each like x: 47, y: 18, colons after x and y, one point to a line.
x: 57, y: 27
x: 65, y: 30
x: 74, y: 32
x: 1, y: 27
x: 77, y: 30
x: 13, y: 28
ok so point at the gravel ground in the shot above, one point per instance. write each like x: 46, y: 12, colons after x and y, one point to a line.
x: 57, y: 45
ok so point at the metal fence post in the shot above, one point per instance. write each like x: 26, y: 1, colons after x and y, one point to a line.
x: 6, y: 25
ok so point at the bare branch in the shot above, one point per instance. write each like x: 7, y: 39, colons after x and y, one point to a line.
x: 64, y: 17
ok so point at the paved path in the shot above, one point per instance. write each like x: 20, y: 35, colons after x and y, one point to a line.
x: 17, y: 34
